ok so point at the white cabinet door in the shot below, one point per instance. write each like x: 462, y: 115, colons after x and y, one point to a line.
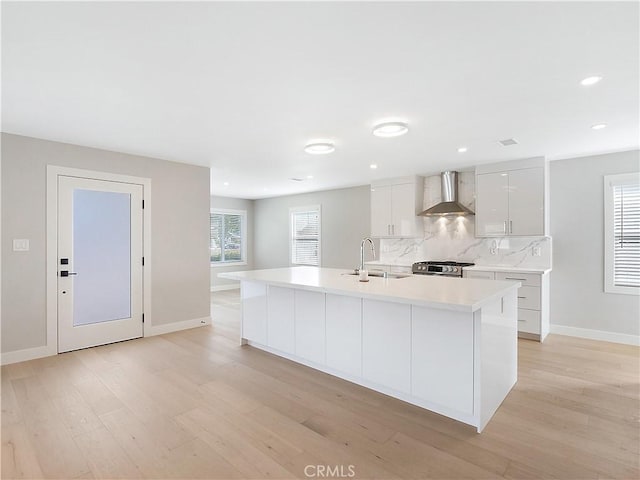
x: 381, y: 211
x: 492, y: 204
x: 280, y: 319
x: 310, y: 325
x: 526, y: 201
x: 386, y: 344
x: 254, y: 311
x: 344, y: 334
x: 442, y: 358
x: 403, y: 210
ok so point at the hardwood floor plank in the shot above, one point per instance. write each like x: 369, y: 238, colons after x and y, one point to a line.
x: 19, y: 459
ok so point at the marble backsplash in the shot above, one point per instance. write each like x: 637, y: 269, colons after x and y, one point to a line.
x: 453, y: 238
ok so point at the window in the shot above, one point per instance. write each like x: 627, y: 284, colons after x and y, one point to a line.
x: 228, y: 236
x: 305, y: 235
x: 622, y: 233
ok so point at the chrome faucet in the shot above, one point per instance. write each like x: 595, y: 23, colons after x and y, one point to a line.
x: 373, y: 251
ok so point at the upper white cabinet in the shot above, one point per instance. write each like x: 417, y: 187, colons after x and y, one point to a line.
x: 511, y: 199
x: 395, y: 204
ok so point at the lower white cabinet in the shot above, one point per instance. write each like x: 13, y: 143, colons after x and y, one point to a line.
x: 442, y: 365
x: 533, y: 300
x: 344, y: 334
x: 254, y: 311
x: 280, y: 315
x: 386, y: 344
x: 310, y: 325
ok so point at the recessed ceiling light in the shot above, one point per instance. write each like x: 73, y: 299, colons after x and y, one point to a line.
x: 390, y: 129
x: 319, y: 148
x: 462, y: 149
x: 226, y: 184
x: 373, y: 166
x: 599, y: 126
x: 309, y: 177
x: 590, y: 81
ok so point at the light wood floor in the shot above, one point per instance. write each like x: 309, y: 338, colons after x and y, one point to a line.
x: 194, y: 404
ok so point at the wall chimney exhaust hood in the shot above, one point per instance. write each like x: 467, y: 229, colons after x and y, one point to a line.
x: 449, y: 204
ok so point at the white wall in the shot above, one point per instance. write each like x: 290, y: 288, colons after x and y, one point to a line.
x: 345, y: 216
x: 235, y: 204
x: 179, y: 233
x: 578, y: 299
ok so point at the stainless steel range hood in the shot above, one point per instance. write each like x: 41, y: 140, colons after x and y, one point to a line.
x: 449, y: 204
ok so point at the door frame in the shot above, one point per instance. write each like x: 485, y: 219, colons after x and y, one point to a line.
x: 53, y: 172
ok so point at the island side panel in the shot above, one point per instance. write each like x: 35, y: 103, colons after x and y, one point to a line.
x: 253, y: 320
x: 442, y: 359
x: 498, y: 351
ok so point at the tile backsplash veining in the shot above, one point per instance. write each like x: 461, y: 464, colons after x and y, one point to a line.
x: 453, y: 238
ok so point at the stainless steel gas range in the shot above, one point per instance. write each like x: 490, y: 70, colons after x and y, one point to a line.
x: 445, y: 269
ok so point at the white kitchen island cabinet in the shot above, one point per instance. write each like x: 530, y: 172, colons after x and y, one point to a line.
x: 448, y: 345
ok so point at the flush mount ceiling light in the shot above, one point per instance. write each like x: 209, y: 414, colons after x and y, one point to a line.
x: 390, y: 129
x: 598, y: 126
x: 319, y: 148
x: 590, y: 81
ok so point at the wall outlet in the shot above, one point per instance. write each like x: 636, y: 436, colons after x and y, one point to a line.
x: 20, y: 244
x: 536, y: 251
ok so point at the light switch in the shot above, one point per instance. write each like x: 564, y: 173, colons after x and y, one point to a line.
x: 20, y: 244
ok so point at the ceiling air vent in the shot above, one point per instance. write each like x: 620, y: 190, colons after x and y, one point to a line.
x: 508, y: 142
x: 296, y: 179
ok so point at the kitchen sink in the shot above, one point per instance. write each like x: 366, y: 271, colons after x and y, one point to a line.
x: 380, y: 274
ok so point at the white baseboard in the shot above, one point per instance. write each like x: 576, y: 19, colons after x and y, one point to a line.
x: 176, y: 326
x: 27, y: 354
x: 596, y: 335
x: 220, y: 288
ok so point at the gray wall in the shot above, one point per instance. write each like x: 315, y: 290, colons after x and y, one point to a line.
x: 577, y: 227
x: 235, y: 204
x: 345, y: 217
x: 179, y: 230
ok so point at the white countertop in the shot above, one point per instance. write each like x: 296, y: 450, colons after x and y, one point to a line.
x: 390, y: 264
x: 460, y: 294
x: 507, y: 268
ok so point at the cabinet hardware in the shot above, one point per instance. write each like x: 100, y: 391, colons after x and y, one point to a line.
x: 510, y: 226
x: 522, y: 297
x: 521, y: 320
x: 514, y: 278
x: 504, y: 226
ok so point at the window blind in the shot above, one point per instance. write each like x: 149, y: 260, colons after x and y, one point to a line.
x: 305, y: 244
x: 626, y: 231
x: 226, y: 237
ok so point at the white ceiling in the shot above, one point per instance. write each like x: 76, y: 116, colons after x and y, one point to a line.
x: 241, y: 87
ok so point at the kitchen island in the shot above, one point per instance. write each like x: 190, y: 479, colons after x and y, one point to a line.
x: 445, y: 344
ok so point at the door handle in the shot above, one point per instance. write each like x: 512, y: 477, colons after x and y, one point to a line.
x: 66, y: 273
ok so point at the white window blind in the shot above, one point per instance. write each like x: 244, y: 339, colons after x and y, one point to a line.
x: 227, y: 237
x: 305, y: 236
x: 626, y: 235
x: 622, y: 233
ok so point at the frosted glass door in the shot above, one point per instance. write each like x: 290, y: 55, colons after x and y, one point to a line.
x: 100, y: 262
x: 101, y: 256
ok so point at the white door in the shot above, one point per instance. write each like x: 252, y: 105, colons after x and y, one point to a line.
x: 100, y: 262
x: 526, y: 201
x: 492, y: 204
x: 381, y: 211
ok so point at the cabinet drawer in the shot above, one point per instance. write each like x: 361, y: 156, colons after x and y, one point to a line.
x: 399, y: 269
x: 529, y: 321
x: 527, y: 279
x: 529, y: 297
x: 475, y: 274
